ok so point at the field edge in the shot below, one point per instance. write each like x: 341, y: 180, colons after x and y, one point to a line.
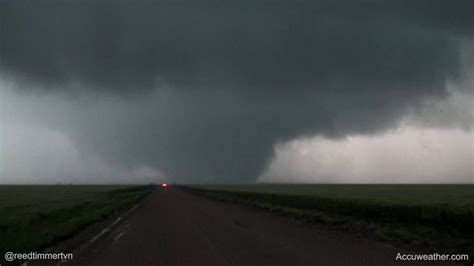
x: 414, y: 235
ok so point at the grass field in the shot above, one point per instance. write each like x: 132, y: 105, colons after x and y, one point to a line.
x: 438, y: 218
x: 35, y: 217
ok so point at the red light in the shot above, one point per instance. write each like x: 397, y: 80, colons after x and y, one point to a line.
x: 164, y: 185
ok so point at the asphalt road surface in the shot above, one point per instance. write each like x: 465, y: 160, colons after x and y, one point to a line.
x: 173, y: 227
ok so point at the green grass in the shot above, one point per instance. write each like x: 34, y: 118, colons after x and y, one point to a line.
x: 452, y: 195
x: 35, y: 217
x: 437, y: 218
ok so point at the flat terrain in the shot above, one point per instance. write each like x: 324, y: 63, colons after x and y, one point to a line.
x: 35, y: 217
x: 448, y: 195
x: 188, y: 226
x: 425, y: 217
x: 174, y: 227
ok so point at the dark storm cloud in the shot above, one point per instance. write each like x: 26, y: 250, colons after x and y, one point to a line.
x: 229, y: 79
x: 116, y: 45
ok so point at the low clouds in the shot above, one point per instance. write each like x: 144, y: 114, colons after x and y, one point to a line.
x: 41, y: 156
x: 204, y: 90
x: 406, y: 155
x: 434, y: 143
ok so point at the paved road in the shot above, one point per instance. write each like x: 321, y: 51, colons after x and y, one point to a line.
x: 173, y: 227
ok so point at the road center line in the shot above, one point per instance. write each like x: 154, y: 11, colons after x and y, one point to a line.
x: 105, y: 230
x: 120, y: 235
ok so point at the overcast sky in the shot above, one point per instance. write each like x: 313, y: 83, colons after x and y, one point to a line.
x: 113, y: 91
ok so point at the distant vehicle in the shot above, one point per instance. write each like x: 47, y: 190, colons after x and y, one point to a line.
x: 164, y: 185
